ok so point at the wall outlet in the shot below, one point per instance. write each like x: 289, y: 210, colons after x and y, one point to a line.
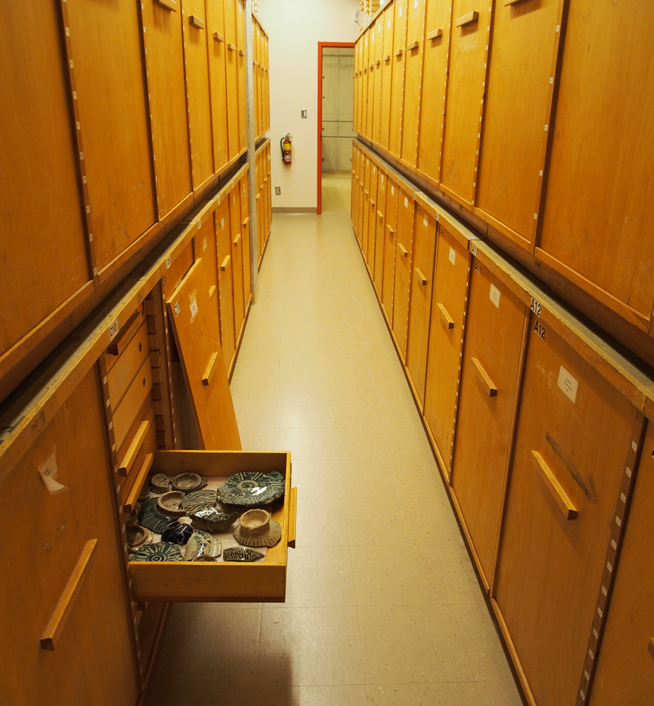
x: 278, y: 191
x: 304, y: 113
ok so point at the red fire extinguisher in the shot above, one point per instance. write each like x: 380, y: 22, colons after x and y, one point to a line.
x: 285, y: 144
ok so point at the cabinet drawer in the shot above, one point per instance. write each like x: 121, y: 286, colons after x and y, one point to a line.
x: 264, y: 580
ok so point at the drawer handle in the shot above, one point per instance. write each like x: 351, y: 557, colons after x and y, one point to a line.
x: 367, y: 193
x: 258, y: 196
x: 125, y: 466
x: 168, y: 4
x: 413, y: 45
x: 421, y: 278
x: 467, y: 19
x: 246, y: 222
x: 241, y: 52
x: 379, y: 214
x: 211, y: 369
x: 511, y: 2
x: 560, y: 496
x: 219, y: 37
x: 391, y: 232
x: 237, y: 239
x: 225, y: 263
x: 403, y: 250
x: 372, y: 204
x: 387, y: 58
x: 292, y: 518
x: 447, y: 319
x: 398, y: 52
x: 435, y: 34
x: 484, y: 377
x: 135, y: 492
x: 57, y: 622
x: 231, y: 47
x: 196, y: 21
x: 371, y: 67
x: 212, y: 291
x: 378, y: 62
x: 650, y: 647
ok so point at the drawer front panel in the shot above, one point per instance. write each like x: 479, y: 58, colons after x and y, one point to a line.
x: 403, y: 260
x: 390, y: 244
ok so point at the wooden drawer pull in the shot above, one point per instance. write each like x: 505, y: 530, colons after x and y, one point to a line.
x: 484, y: 377
x: 650, y: 647
x: 378, y: 62
x: 511, y: 2
x: 168, y: 4
x: 552, y: 484
x: 241, y: 52
x: 231, y: 47
x: 447, y: 319
x: 367, y: 193
x: 237, y: 239
x: 258, y: 196
x: 372, y: 204
x: 467, y: 19
x: 57, y: 622
x: 292, y: 518
x: 387, y: 57
x: 435, y: 34
x: 398, y: 52
x: 125, y: 466
x: 225, y: 263
x: 135, y: 492
x: 196, y: 21
x: 246, y: 222
x: 414, y: 45
x: 421, y: 278
x: 371, y: 67
x: 390, y: 230
x: 403, y: 250
x: 379, y: 214
x: 212, y: 291
x: 211, y: 369
x: 219, y: 37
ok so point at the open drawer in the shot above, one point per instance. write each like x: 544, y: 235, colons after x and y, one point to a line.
x: 264, y: 580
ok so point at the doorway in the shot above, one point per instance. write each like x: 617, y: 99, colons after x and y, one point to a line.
x: 335, y: 113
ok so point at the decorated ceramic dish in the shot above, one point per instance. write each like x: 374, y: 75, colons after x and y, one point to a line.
x: 257, y: 529
x: 241, y: 554
x: 159, y: 483
x: 177, y: 533
x: 198, y: 499
x: 151, y: 518
x: 188, y: 482
x: 252, y: 488
x: 136, y: 536
x: 211, y: 519
x: 170, y: 503
x: 161, y: 551
x: 203, y: 547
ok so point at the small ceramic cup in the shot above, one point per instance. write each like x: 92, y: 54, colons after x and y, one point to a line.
x: 257, y: 529
x: 177, y: 533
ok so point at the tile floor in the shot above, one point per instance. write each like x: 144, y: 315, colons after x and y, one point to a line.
x: 383, y: 607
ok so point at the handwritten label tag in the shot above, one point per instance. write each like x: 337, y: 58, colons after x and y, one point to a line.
x: 114, y: 327
x: 193, y: 306
x: 495, y: 295
x: 568, y: 384
x: 452, y: 256
x: 48, y: 472
x: 473, y: 249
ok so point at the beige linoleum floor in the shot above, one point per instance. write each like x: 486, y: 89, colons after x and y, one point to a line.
x: 383, y: 606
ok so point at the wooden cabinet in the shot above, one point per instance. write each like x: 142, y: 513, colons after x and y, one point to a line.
x: 217, y: 47
x: 372, y: 80
x: 377, y: 74
x: 492, y: 359
x: 378, y: 270
x: 449, y: 299
x: 403, y: 264
x: 369, y: 251
x: 242, y: 94
x: 390, y: 247
x: 434, y: 86
x: 232, y: 78
x: 225, y: 280
x: 424, y: 253
x: 237, y: 257
x: 387, y: 75
x: 573, y: 440
x: 415, y: 35
x: 365, y: 55
x: 245, y: 225
x: 398, y: 61
x: 625, y: 671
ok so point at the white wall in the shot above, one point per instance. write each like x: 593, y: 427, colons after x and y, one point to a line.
x: 295, y: 27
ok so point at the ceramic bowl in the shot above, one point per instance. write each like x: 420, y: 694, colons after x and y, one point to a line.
x: 251, y: 488
x: 170, y: 503
x: 241, y: 554
x: 257, y: 529
x: 151, y: 518
x: 159, y: 483
x: 177, y: 533
x: 188, y: 482
x: 211, y: 519
x: 137, y: 536
x: 198, y: 499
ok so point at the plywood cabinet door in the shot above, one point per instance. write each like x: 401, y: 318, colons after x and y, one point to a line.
x: 390, y: 246
x: 237, y: 257
x: 398, y: 62
x: 415, y: 44
x: 387, y: 75
x: 379, y: 68
x: 372, y: 80
x: 378, y: 275
x: 92, y: 661
x: 217, y: 74
x: 434, y: 87
x: 512, y: 159
x: 43, y: 246
x: 232, y: 79
x: 599, y: 212
x: 242, y: 95
x: 465, y: 91
x: 403, y: 264
x: 445, y: 342
x: 492, y: 356
x: 106, y: 55
x: 625, y: 666
x: 372, y: 219
x: 573, y: 441
x: 225, y: 280
x: 364, y: 88
x: 245, y: 224
x: 424, y: 253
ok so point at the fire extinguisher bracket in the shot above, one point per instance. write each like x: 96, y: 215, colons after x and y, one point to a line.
x: 285, y: 144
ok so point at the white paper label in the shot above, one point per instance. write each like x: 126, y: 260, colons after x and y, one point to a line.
x: 222, y: 223
x: 169, y: 262
x: 114, y: 327
x: 415, y: 3
x: 495, y: 295
x: 389, y: 23
x: 392, y: 190
x: 193, y: 306
x: 406, y: 202
x: 204, y: 244
x: 568, y: 384
x: 425, y: 221
x: 48, y: 472
x: 177, y: 308
x: 452, y: 256
x: 400, y: 10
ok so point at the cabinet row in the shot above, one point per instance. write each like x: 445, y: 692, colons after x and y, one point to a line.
x: 260, y: 61
x: 145, y: 377
x: 264, y: 196
x: 531, y: 117
x: 540, y: 430
x: 118, y: 118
